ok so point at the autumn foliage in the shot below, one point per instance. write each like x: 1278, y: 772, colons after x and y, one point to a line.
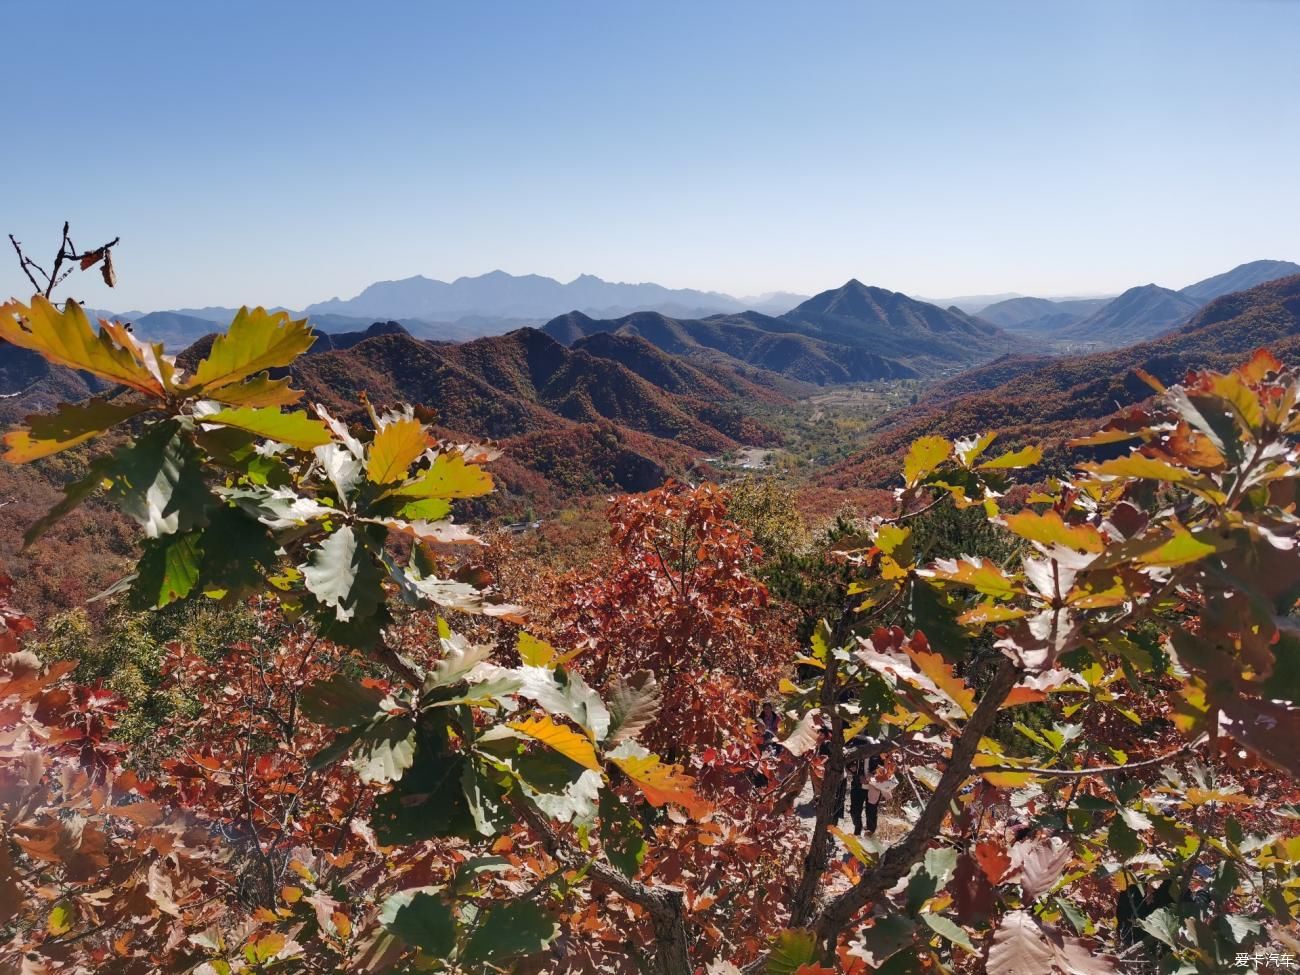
x: 679, y: 599
x: 1097, y: 728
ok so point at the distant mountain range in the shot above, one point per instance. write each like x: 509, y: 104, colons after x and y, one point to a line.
x: 528, y: 296
x: 1049, y: 399
x: 1137, y: 314
x: 871, y: 333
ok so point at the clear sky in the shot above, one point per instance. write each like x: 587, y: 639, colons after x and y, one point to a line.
x: 285, y: 152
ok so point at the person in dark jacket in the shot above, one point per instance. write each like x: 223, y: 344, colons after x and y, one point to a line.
x: 872, y: 782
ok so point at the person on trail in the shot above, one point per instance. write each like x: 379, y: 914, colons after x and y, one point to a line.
x: 873, y: 783
x: 771, y: 722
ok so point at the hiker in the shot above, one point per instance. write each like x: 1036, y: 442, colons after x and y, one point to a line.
x: 771, y: 722
x: 873, y: 783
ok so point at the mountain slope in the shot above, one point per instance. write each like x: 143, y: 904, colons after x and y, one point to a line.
x: 920, y: 336
x: 1040, y: 315
x: 1240, y: 278
x: 1050, y: 401
x: 1139, y: 313
x: 578, y: 419
x: 748, y: 339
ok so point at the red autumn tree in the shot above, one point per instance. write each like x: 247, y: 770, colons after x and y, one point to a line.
x: 677, y: 599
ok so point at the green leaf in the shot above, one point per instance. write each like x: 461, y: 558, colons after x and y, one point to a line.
x: 260, y: 390
x: 935, y: 869
x: 1181, y: 548
x: 1078, y: 920
x: 428, y: 801
x: 508, y: 931
x: 1121, y: 838
x: 1140, y: 467
x: 69, y: 425
x: 621, y: 834
x: 1239, y: 928
x: 790, y: 949
x: 60, y: 920
x: 256, y: 340
x: 885, y: 938
x: 467, y: 872
x: 923, y: 457
x: 158, y: 481
x: 342, y: 575
x: 238, y: 554
x: 422, y: 919
x: 425, y: 509
x: 168, y: 569
x: 384, y: 750
x: 340, y: 702
x: 945, y: 928
x: 295, y: 428
x: 1163, y: 924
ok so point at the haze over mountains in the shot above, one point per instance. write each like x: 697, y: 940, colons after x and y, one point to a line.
x: 853, y: 333
x: 1139, y: 313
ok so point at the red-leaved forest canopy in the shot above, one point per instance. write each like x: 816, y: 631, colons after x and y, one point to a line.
x: 328, y: 730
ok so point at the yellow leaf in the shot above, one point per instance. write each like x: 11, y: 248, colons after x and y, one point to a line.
x: 534, y: 652
x: 662, y: 784
x: 970, y: 449
x: 1049, y: 529
x: 291, y: 895
x: 66, y: 339
x: 1000, y: 780
x: 984, y: 576
x: 560, y: 738
x: 854, y: 845
x: 1025, y: 457
x: 990, y: 613
x: 60, y: 919
x: 255, y: 341
x: 260, y: 390
x: 925, y: 454
x: 448, y: 477
x: 933, y: 666
x: 71, y: 424
x: 396, y: 446
x: 1140, y: 467
x: 1182, y: 547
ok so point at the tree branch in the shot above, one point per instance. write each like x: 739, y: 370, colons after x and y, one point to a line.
x: 899, y: 859
x: 1186, y: 746
x: 665, y: 905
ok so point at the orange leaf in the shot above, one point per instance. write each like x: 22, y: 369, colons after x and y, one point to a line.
x: 993, y: 860
x: 662, y: 784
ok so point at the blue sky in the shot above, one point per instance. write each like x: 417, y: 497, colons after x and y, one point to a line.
x: 287, y: 152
